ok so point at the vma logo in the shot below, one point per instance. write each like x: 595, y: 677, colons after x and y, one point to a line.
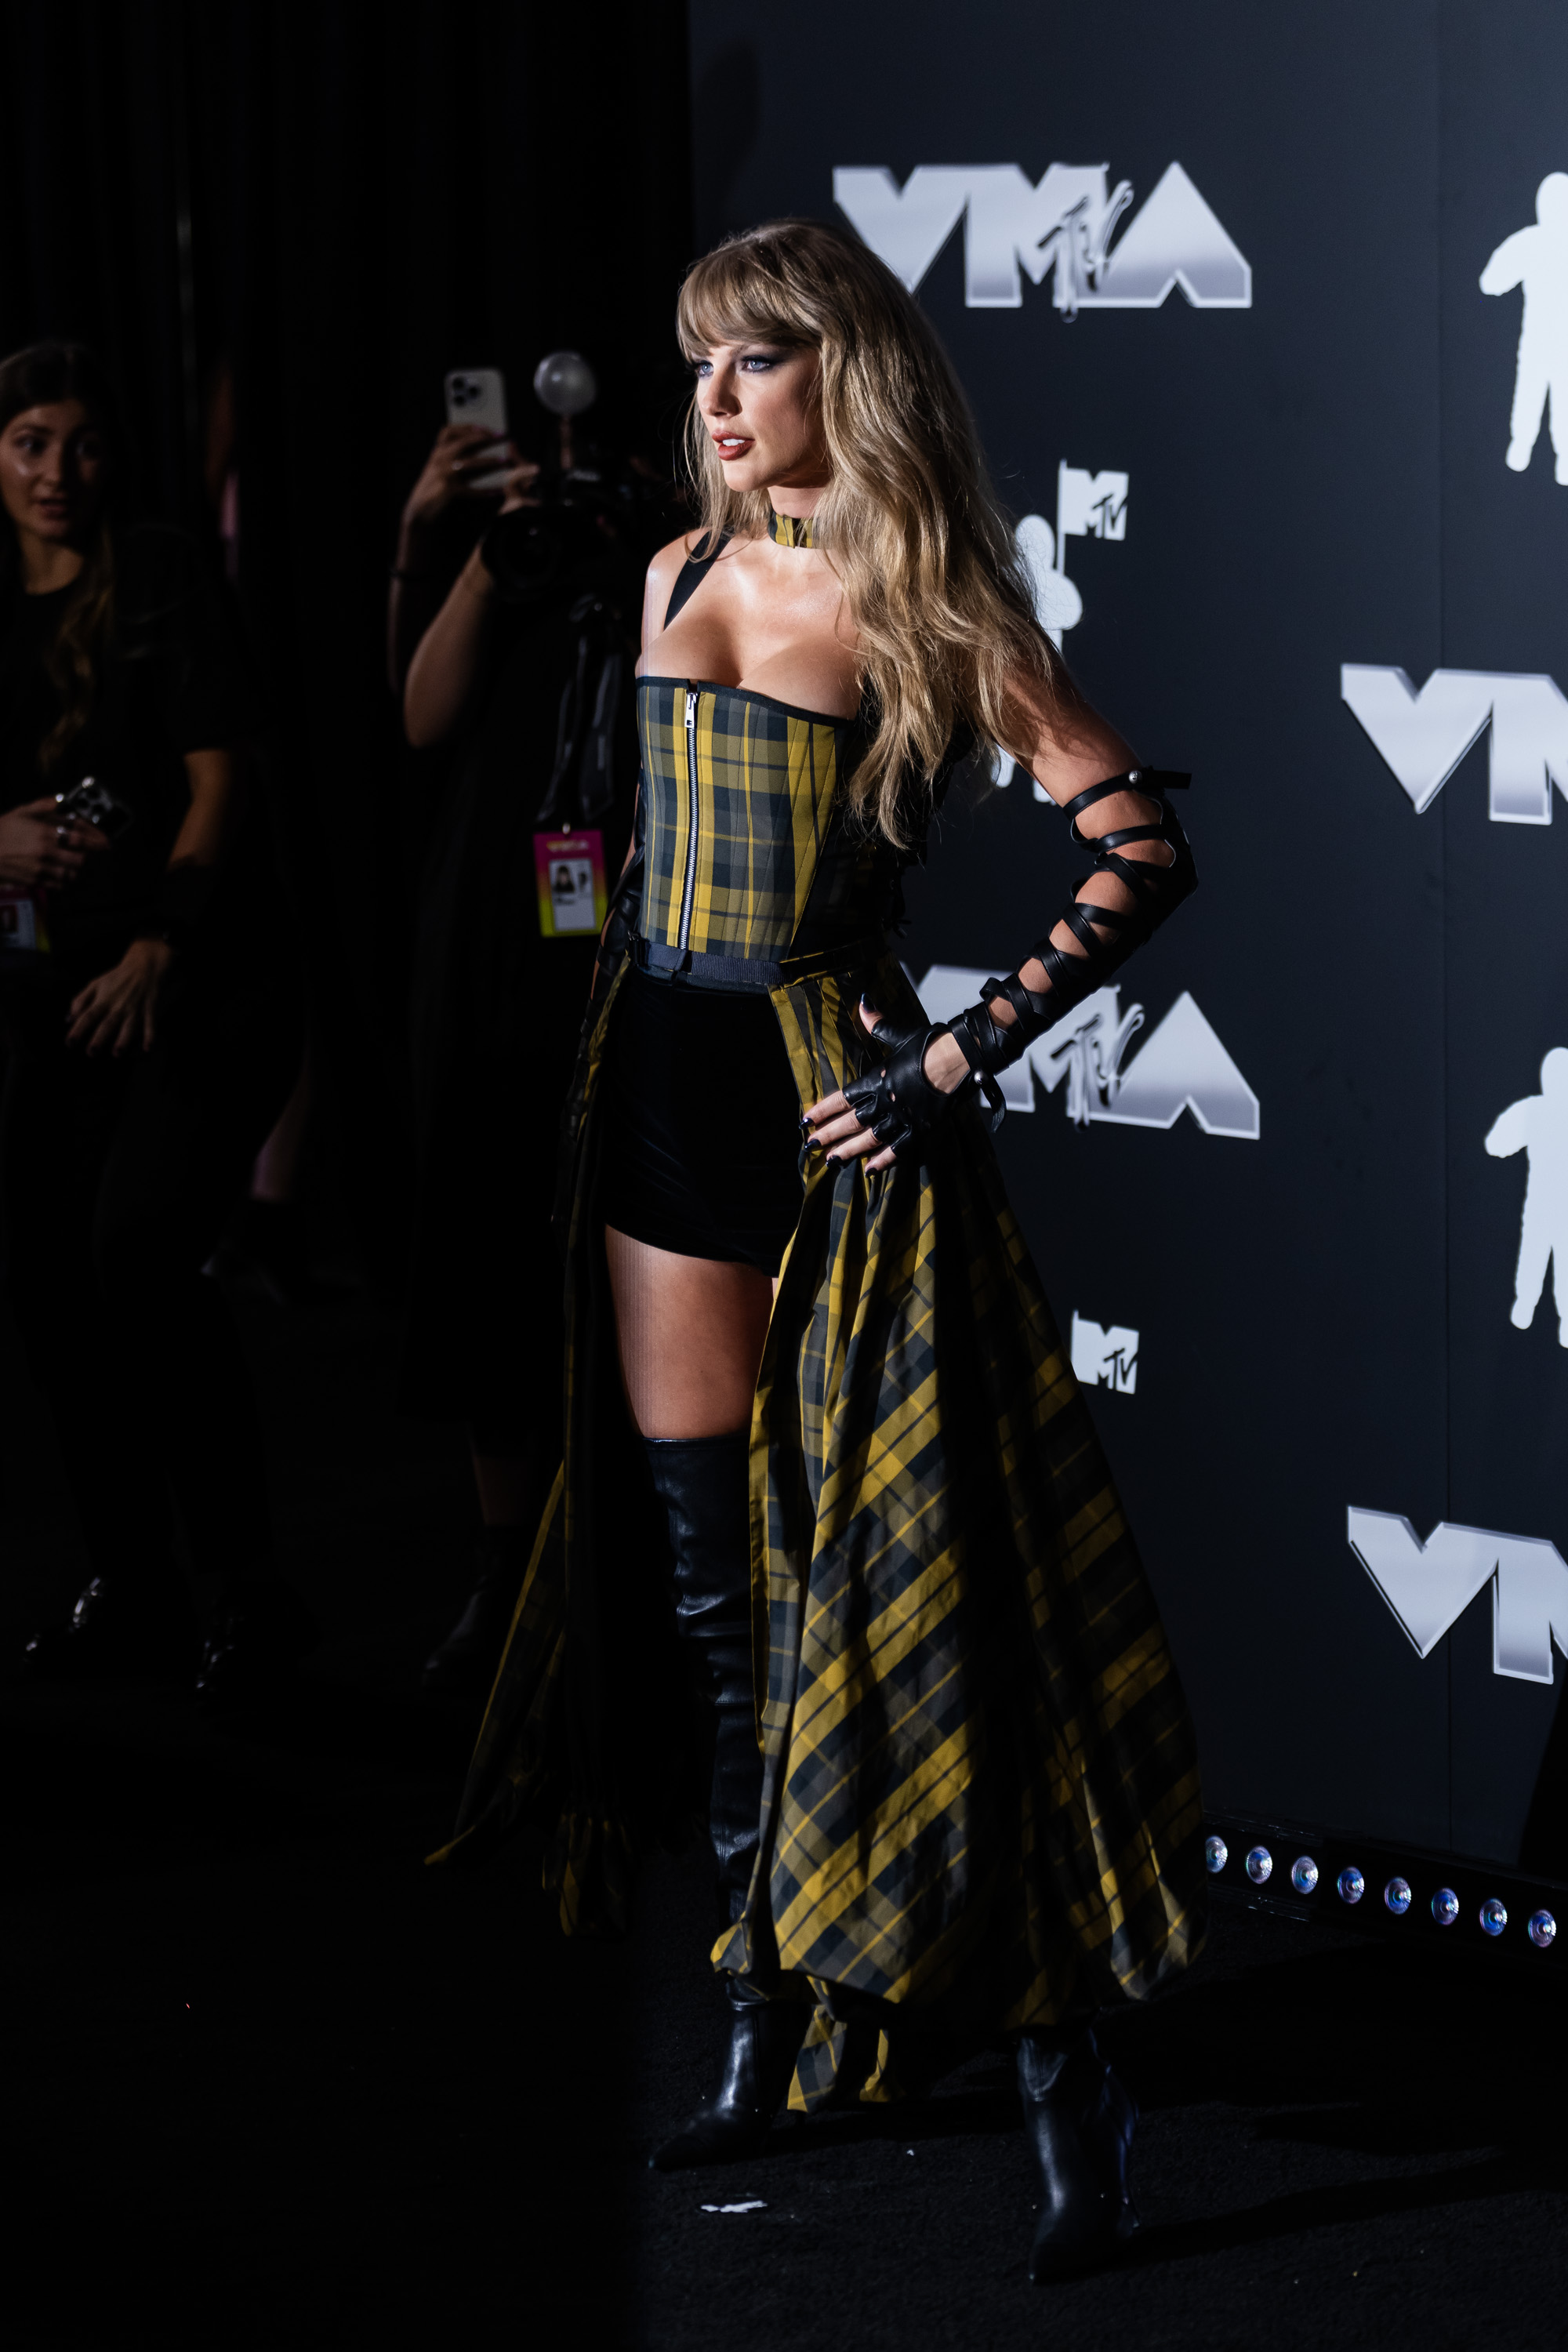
x: 1429, y: 1586
x: 1423, y: 737
x: 1181, y: 1066
x: 1061, y: 228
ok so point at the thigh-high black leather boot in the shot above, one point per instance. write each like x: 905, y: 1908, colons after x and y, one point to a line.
x: 702, y: 1484
x: 1080, y: 2115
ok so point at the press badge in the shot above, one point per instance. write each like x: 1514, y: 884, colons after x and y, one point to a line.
x: 23, y: 930
x: 571, y: 869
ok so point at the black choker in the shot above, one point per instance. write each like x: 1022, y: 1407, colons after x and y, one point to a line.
x: 791, y: 530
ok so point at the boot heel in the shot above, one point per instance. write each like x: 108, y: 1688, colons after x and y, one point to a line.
x: 1080, y: 2117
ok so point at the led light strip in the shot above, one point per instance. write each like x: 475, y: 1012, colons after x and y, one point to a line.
x: 1350, y: 1884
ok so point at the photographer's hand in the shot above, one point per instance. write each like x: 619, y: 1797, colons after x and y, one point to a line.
x: 461, y: 452
x: 520, y: 484
x: 33, y: 850
x: 118, y: 1010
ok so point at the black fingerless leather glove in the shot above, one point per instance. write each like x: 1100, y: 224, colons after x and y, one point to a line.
x: 897, y: 1102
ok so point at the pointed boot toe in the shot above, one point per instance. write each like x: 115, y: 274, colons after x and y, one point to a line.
x: 764, y: 2042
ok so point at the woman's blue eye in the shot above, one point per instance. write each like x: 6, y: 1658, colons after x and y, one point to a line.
x: 755, y: 361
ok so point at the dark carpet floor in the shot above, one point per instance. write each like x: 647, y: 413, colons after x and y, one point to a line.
x: 271, y: 2082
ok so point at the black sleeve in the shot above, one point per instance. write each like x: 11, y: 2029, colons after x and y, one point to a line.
x: 183, y: 621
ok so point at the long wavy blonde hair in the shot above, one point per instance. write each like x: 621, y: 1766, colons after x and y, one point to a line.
x: 945, y: 623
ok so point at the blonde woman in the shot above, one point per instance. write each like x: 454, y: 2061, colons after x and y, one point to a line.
x: 953, y: 1789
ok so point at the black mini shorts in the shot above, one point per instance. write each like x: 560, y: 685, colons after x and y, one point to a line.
x: 699, y: 1123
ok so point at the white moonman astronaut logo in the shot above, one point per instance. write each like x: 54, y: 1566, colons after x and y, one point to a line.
x: 1428, y: 1585
x: 1537, y: 1125
x: 1181, y: 1066
x: 1537, y: 259
x: 1064, y: 225
x: 1089, y: 506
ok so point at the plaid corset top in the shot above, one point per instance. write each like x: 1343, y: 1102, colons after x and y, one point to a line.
x: 747, y: 852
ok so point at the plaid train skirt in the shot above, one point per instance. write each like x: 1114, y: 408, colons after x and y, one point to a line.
x: 981, y: 1806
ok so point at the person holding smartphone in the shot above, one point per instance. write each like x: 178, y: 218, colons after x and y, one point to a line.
x: 151, y: 1029
x: 511, y: 634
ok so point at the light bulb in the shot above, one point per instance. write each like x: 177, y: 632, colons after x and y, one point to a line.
x: 1352, y: 1885
x: 1397, y: 1895
x: 1216, y: 1853
x: 1259, y: 1862
x: 564, y: 384
x: 1494, y: 1917
x: 1444, y: 1906
x: 1303, y: 1873
x: 1542, y: 1930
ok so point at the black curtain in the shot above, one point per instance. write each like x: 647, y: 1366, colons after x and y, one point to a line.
x: 281, y: 226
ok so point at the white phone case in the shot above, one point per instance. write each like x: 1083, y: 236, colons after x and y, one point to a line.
x: 478, y: 396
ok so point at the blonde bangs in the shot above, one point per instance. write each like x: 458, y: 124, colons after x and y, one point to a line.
x: 726, y: 299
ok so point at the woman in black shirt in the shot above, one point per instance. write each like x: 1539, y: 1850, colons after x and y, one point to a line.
x: 150, y: 1033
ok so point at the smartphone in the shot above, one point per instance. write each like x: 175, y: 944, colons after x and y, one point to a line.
x: 478, y: 396
x: 90, y: 802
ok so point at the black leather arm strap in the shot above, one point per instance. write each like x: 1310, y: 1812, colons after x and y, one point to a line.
x: 1107, y: 935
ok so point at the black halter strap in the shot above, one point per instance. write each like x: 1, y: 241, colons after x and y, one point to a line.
x: 693, y: 572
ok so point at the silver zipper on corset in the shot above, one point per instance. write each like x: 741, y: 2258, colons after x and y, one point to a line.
x: 690, y: 889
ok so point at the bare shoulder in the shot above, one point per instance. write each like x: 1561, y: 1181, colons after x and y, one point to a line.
x: 667, y: 566
x: 662, y: 574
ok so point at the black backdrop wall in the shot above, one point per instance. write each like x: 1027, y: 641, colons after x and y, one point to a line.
x: 282, y: 226
x: 1257, y: 421
x: 1283, y: 408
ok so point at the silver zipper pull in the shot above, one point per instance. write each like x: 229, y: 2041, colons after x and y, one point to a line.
x: 689, y: 884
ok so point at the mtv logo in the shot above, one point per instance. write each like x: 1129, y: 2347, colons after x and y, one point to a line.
x: 1092, y: 506
x: 1104, y: 1358
x: 1063, y: 224
x: 1428, y: 1585
x: 1422, y: 736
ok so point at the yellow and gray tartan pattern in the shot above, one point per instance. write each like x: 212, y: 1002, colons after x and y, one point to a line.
x: 775, y: 870
x: 982, y: 1797
x: 791, y: 530
x: 981, y: 1805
